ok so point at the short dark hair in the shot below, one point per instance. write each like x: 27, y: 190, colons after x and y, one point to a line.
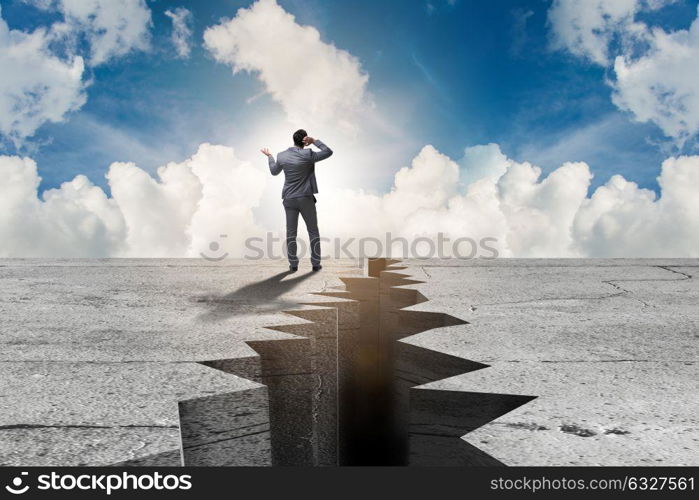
x: 298, y: 137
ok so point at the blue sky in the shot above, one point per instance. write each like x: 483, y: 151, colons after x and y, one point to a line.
x: 469, y: 73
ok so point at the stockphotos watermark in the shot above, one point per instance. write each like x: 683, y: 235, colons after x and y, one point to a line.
x: 105, y: 483
x: 273, y: 246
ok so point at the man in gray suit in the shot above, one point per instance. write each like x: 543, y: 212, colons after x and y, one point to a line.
x: 300, y: 185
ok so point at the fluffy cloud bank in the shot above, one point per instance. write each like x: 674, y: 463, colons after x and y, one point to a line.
x: 656, y: 71
x: 530, y: 216
x: 189, y: 205
x: 43, y: 70
x: 214, y: 193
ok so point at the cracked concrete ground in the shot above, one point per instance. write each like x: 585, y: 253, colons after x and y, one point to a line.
x: 609, y: 347
x: 96, y: 353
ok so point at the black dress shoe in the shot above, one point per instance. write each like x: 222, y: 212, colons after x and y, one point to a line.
x: 293, y: 269
x: 317, y: 268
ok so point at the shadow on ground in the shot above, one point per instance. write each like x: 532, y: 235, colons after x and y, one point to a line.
x: 262, y: 296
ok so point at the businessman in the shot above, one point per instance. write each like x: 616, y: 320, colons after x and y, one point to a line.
x: 298, y: 192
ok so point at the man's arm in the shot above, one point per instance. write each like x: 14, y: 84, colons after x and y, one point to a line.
x: 325, y: 152
x: 274, y: 168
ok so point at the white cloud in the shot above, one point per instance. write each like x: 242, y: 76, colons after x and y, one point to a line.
x: 314, y: 81
x: 76, y: 220
x: 192, y: 204
x: 662, y: 86
x: 181, y: 30
x: 112, y: 28
x: 621, y: 220
x: 43, y: 70
x: 231, y: 189
x: 36, y: 86
x: 215, y: 193
x: 656, y: 71
x: 587, y: 31
x: 530, y: 216
x: 177, y: 215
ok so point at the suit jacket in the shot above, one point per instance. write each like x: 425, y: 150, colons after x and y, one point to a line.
x: 298, y: 165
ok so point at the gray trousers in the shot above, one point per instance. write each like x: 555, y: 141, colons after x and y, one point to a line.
x: 306, y: 206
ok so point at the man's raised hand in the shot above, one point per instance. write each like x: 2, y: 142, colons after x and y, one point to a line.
x: 265, y: 152
x: 308, y: 140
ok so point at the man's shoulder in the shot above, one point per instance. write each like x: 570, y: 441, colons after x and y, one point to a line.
x: 294, y: 150
x: 295, y: 153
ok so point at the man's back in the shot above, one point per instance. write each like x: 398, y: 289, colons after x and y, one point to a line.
x: 298, y: 165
